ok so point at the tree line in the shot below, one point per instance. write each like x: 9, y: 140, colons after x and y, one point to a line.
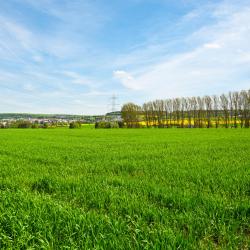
x: 226, y: 110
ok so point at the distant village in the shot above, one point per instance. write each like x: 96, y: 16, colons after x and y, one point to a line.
x: 43, y: 120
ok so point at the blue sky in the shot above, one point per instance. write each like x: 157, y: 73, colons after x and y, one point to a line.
x: 71, y: 56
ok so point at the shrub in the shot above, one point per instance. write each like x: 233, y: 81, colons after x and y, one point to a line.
x: 34, y: 125
x: 45, y: 125
x: 23, y: 124
x: 73, y: 125
x: 114, y: 125
x: 121, y: 124
x: 104, y: 124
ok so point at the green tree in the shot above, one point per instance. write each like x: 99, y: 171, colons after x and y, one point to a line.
x: 73, y: 125
x: 131, y: 114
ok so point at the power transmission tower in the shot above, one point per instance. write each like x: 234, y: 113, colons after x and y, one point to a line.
x: 113, y: 103
x: 113, y: 106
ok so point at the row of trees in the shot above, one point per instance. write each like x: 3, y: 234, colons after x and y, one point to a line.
x: 226, y: 110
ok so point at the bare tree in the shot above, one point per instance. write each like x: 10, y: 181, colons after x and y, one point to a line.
x: 159, y: 110
x: 224, y: 105
x: 235, y: 107
x: 194, y: 108
x: 244, y: 108
x: 200, y: 102
x: 176, y: 111
x: 216, y: 108
x: 189, y: 110
x: 208, y: 105
x: 146, y: 111
x: 169, y: 111
x: 183, y: 111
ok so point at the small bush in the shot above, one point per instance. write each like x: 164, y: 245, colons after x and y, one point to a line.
x: 24, y: 124
x: 104, y: 124
x: 121, y: 124
x: 34, y: 125
x: 114, y: 125
x: 45, y: 125
x: 73, y: 125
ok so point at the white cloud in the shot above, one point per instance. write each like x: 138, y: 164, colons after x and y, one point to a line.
x: 126, y: 79
x: 38, y: 58
x: 212, y: 46
x: 29, y: 87
x: 215, y: 65
x: 76, y: 78
x: 17, y: 32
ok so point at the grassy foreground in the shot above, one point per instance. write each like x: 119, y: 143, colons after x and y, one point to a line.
x: 121, y: 189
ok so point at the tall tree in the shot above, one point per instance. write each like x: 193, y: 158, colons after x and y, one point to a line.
x: 216, y: 103
x: 131, y: 114
x: 224, y: 104
x: 169, y: 111
x: 208, y: 105
x: 200, y: 102
x: 236, y: 100
x: 146, y: 111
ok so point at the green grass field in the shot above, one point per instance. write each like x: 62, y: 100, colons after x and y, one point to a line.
x: 125, y: 189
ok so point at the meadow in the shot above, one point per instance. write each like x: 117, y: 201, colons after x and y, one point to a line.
x: 125, y: 189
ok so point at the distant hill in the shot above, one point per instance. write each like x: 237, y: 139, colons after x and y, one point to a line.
x: 38, y: 116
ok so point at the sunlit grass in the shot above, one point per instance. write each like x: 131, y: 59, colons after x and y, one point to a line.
x: 125, y: 188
